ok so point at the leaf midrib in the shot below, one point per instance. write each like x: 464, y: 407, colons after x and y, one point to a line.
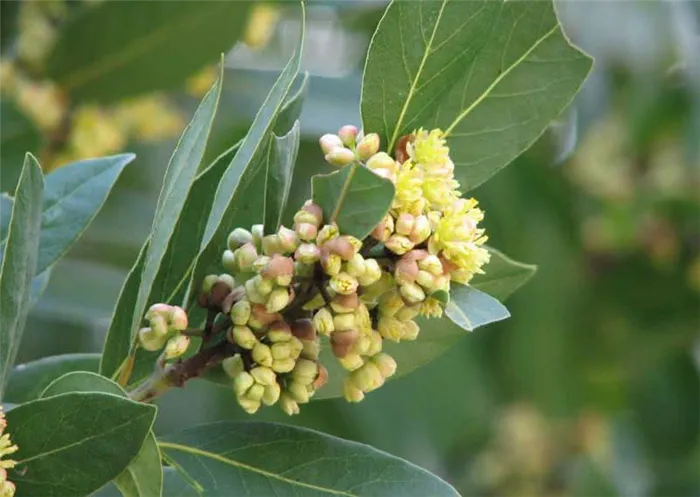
x: 244, y: 466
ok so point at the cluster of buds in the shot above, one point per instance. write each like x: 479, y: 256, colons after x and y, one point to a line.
x: 348, y: 146
x: 165, y: 326
x: 7, y: 488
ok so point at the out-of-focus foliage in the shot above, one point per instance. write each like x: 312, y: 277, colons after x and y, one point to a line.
x: 592, y: 388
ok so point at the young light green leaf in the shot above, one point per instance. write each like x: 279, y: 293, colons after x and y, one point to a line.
x: 144, y: 476
x: 6, y: 203
x: 99, y: 433
x: 281, y: 158
x: 19, y: 260
x: 354, y: 197
x: 470, y: 308
x: 132, y: 45
x: 491, y: 74
x: 176, y: 186
x: 27, y: 381
x: 502, y: 276
x: 270, y: 459
x: 291, y: 110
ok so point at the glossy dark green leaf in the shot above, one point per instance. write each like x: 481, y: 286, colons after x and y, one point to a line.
x: 19, y: 136
x: 27, y: 381
x: 231, y: 458
x: 144, y: 476
x: 354, y: 197
x: 491, y: 74
x: 140, y: 47
x: 281, y: 159
x: 502, y: 275
x: 74, y: 443
x: 20, y: 254
x: 470, y: 308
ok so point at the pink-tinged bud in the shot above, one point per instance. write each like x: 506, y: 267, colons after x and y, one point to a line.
x: 351, y: 392
x: 400, y: 151
x: 278, y: 266
x: 368, y: 377
x: 347, y: 135
x: 176, y: 346
x: 288, y: 239
x: 399, y: 244
x: 340, y: 157
x: 329, y: 141
x: 239, y: 237
x: 322, y: 377
x: 345, y: 303
x: 245, y: 256
x: 406, y: 271
x: 367, y: 146
x: 308, y: 253
x: 271, y: 245
x: 310, y: 213
x: 159, y: 310
x: 405, y: 223
x: 327, y: 232
x: 342, y: 247
x: 421, y: 230
x: 355, y: 242
x: 279, y: 331
x: 303, y: 329
x: 331, y: 263
x: 343, y: 341
x: 178, y: 319
x: 416, y: 255
x: 149, y: 340
x: 382, y: 160
x: 228, y: 261
x: 431, y: 263
x: 260, y: 314
x: 307, y: 231
x: 384, y: 230
x: 260, y: 263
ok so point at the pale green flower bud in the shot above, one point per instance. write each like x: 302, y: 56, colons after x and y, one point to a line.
x: 298, y: 392
x: 159, y: 325
x: 362, y: 317
x: 344, y: 321
x: 385, y: 363
x: 351, y: 392
x: 288, y: 239
x: 391, y: 328
x: 344, y: 284
x: 376, y: 343
x: 284, y: 280
x: 327, y: 232
x: 262, y: 286
x: 331, y: 263
x: 297, y: 347
x: 240, y: 312
x: 233, y: 366
x: 307, y: 231
x: 271, y: 244
x: 255, y: 393
x: 367, y: 378
x: 347, y: 135
x: 243, y: 336
x: 208, y: 282
x: 421, y: 230
x: 367, y: 146
x: 407, y: 313
x: 382, y: 160
x: 279, y: 332
x: 371, y: 274
x: 329, y: 141
x: 390, y: 303
x: 410, y: 330
x: 305, y: 371
x: 248, y: 405
x: 252, y: 292
x: 264, y: 375
x: 351, y: 361
x: 307, y: 217
x: 340, y: 157
x: 176, y: 346
x: 425, y: 279
x: 412, y: 293
x: 245, y: 256
x: 228, y: 261
x: 272, y: 394
x: 178, y: 319
x: 362, y: 345
x: 262, y: 354
x: 356, y: 244
x: 162, y: 310
x: 405, y: 223
x: 345, y: 303
x: 399, y: 244
x: 226, y: 279
x: 281, y: 350
x: 261, y: 262
x: 277, y: 300
x: 307, y: 253
x: 239, y: 237
x: 288, y: 404
x: 257, y: 231
x: 323, y: 321
x: 431, y: 264
x: 343, y: 341
x: 283, y: 365
x: 242, y: 383
x: 150, y: 341
x: 311, y: 349
x: 356, y: 266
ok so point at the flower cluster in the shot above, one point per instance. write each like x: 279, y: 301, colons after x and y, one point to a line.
x: 165, y: 326
x: 283, y: 292
x: 7, y: 488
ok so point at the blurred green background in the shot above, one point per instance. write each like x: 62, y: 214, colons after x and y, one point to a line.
x: 591, y: 388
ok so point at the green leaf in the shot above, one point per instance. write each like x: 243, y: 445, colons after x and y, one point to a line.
x: 9, y: 14
x: 502, y: 276
x: 74, y: 443
x: 20, y: 254
x: 178, y: 181
x: 291, y: 110
x: 492, y: 75
x: 470, y: 308
x: 136, y: 48
x: 231, y: 458
x: 144, y: 476
x: 354, y: 197
x: 6, y: 203
x: 19, y: 136
x: 27, y: 381
x: 118, y: 341
x: 281, y: 159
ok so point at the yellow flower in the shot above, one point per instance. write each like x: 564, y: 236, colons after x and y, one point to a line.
x: 431, y: 308
x: 150, y: 117
x: 96, y: 132
x: 440, y: 191
x: 199, y: 84
x: 429, y: 150
x: 459, y: 240
x: 7, y: 488
x: 409, y: 192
